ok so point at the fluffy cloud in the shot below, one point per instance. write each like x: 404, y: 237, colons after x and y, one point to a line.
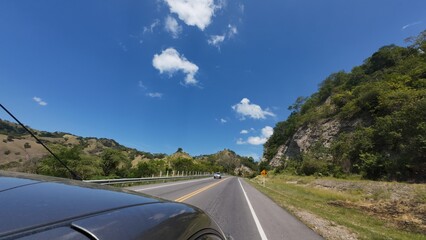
x: 267, y: 131
x: 39, y: 101
x: 223, y: 120
x: 246, y: 109
x: 258, y: 140
x: 170, y: 61
x: 194, y: 13
x: 216, y: 40
x: 172, y: 26
x: 155, y: 95
x: 243, y: 131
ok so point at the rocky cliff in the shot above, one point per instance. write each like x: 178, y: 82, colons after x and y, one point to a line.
x: 369, y: 121
x: 324, y: 133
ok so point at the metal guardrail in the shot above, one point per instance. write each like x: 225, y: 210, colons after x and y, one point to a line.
x: 147, y: 179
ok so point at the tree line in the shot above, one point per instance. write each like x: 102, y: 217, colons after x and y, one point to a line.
x: 114, y: 163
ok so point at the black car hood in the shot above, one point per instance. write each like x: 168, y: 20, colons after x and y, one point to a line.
x: 37, y: 201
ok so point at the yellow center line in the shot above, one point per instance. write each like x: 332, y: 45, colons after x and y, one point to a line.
x: 189, y: 195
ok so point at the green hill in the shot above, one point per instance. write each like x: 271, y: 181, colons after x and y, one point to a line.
x: 370, y: 121
x: 93, y: 158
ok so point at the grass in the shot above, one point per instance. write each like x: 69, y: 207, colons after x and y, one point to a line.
x: 296, y: 193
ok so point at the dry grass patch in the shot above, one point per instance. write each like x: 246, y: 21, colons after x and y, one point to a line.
x: 365, y: 209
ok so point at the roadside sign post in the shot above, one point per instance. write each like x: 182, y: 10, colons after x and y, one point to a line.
x: 264, y: 173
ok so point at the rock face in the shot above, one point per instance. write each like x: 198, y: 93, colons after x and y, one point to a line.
x: 277, y: 160
x: 243, y: 171
x: 323, y: 132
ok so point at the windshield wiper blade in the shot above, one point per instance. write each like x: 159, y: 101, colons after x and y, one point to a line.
x: 73, y: 174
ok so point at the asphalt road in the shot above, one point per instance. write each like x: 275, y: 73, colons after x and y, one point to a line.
x: 242, y: 212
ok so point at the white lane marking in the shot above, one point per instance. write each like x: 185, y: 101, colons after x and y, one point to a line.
x: 143, y: 189
x: 256, y: 220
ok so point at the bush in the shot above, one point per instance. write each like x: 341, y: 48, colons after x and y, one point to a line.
x: 311, y: 166
x: 27, y: 145
x: 371, y: 166
x: 7, y: 152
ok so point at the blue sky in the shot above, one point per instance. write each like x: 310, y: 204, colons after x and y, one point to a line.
x: 162, y: 74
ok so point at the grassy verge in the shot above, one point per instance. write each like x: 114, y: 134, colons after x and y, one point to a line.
x: 371, y: 210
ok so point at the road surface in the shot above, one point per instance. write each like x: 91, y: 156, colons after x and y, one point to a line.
x: 242, y: 212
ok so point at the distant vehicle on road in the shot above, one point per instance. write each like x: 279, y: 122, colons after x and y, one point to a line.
x: 39, y: 207
x: 217, y: 175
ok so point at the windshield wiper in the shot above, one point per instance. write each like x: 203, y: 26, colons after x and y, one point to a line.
x: 73, y: 174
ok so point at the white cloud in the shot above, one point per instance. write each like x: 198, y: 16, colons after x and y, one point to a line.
x: 223, y: 120
x: 194, y: 13
x: 240, y: 141
x: 267, y: 131
x: 170, y: 61
x: 244, y: 108
x: 258, y: 140
x: 232, y: 31
x: 411, y: 24
x: 151, y: 27
x: 172, y: 26
x: 155, y: 95
x: 243, y: 131
x: 216, y: 40
x: 39, y: 101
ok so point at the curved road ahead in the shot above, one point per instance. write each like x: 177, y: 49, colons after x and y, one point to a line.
x: 242, y: 212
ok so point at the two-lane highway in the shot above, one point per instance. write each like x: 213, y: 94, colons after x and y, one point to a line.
x: 241, y: 211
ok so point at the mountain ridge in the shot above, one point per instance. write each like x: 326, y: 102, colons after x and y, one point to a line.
x: 20, y: 152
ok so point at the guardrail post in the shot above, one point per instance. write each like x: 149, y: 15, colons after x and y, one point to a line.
x: 167, y: 175
x: 173, y: 173
x: 178, y: 174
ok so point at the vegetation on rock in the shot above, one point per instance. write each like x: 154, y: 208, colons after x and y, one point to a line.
x: 382, y: 103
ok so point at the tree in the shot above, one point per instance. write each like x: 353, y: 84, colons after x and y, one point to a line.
x: 296, y: 106
x: 52, y: 167
x: 111, y: 159
x: 183, y: 164
x: 418, y: 42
